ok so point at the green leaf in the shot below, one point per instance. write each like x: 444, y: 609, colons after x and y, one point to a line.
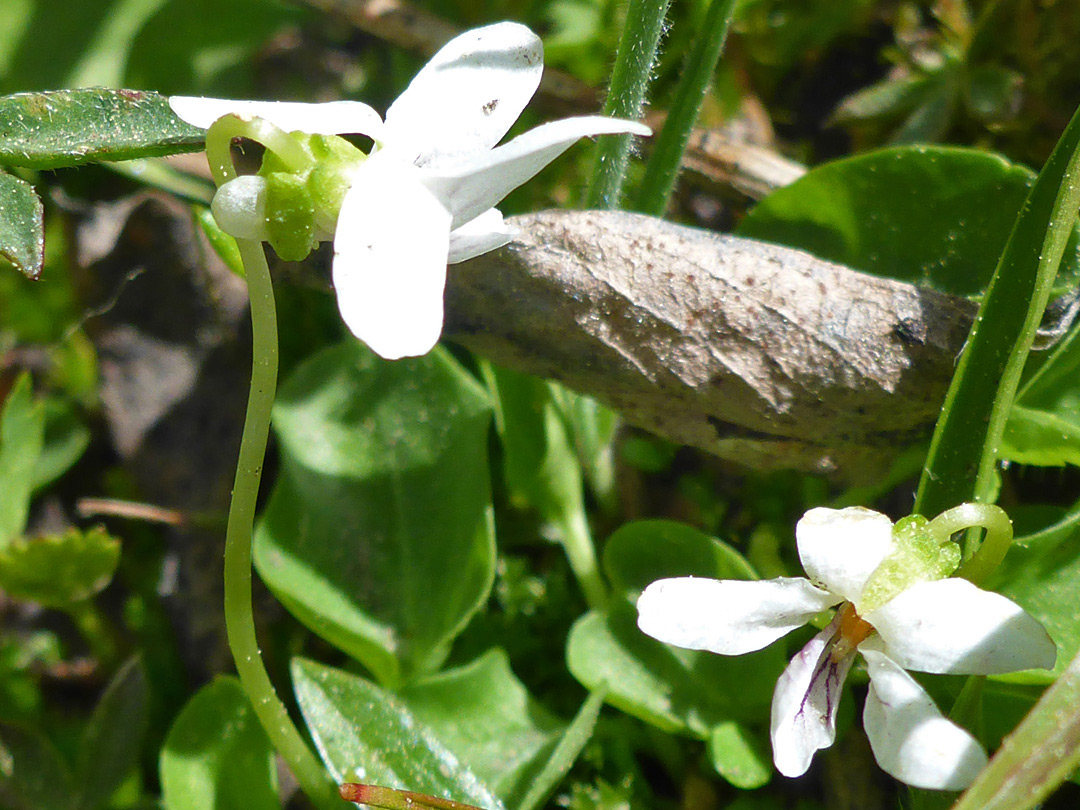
x: 566, y: 752
x: 22, y: 427
x: 33, y: 775
x: 65, y: 439
x: 70, y: 127
x: 61, y: 569
x: 676, y: 690
x: 881, y: 213
x: 964, y: 449
x: 644, y: 551
x: 179, y: 50
x: 494, y: 744
x: 542, y: 467
x: 994, y: 93
x: 1045, y: 581
x: 217, y: 756
x: 891, y: 97
x: 22, y: 226
x: 740, y: 757
x: 1044, y: 424
x: 112, y: 740
x: 1037, y: 757
x: 378, y: 534
x: 224, y: 245
x: 539, y: 462
x: 366, y: 734
x: 1041, y: 438
x: 483, y: 714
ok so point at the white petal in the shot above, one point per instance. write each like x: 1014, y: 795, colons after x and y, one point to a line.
x: 805, y: 702
x: 840, y: 548
x: 479, y: 236
x: 730, y: 616
x: 951, y: 626
x: 390, y: 260
x: 470, y: 93
x: 239, y: 207
x: 328, y: 118
x: 472, y: 186
x: 910, y: 738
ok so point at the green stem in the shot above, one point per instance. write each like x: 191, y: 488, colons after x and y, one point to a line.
x: 96, y: 631
x: 581, y: 553
x: 663, y: 168
x: 221, y: 133
x: 239, y: 619
x: 626, y: 96
x: 991, y: 551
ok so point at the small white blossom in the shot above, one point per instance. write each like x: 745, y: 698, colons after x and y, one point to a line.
x: 426, y: 195
x: 895, y: 608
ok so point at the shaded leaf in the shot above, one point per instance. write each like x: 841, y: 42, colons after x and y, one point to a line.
x: 113, y: 738
x: 58, y: 570
x: 539, y: 463
x: 644, y: 551
x: 217, y: 756
x: 22, y: 428
x: 22, y: 226
x: 676, y: 690
x: 33, y: 776
x: 891, y: 97
x: 378, y: 534
x: 70, y: 127
x: 1038, y: 437
x: 566, y: 752
x: 65, y: 439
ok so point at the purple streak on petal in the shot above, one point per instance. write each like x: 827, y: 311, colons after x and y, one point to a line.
x: 805, y: 702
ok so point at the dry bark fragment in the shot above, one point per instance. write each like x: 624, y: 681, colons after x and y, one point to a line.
x: 754, y: 352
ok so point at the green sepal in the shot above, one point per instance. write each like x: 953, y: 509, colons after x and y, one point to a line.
x: 915, y: 557
x: 290, y: 216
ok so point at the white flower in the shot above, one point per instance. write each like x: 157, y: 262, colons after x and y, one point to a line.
x: 897, y: 621
x: 426, y: 195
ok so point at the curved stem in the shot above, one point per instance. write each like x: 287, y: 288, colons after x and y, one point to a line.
x: 219, y: 138
x: 995, y: 544
x: 239, y: 618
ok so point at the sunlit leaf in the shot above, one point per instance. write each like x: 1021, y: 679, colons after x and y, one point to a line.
x: 684, y: 691
x: 933, y: 215
x: 70, y: 127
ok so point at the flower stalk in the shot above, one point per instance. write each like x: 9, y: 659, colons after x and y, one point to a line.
x: 630, y: 77
x: 239, y: 616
